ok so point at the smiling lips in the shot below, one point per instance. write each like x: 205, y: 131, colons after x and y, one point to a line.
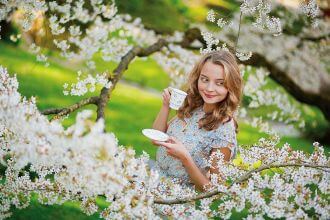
x: 209, y: 96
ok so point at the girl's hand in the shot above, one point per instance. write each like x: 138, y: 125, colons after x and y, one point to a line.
x: 166, y: 97
x: 174, y: 148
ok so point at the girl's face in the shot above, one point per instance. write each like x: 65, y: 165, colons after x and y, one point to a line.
x: 211, y: 83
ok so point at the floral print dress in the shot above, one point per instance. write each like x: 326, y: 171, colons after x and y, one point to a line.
x: 198, y: 142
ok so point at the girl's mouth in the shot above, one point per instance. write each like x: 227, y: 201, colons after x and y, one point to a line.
x: 209, y: 96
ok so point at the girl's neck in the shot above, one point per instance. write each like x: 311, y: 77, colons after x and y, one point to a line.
x: 208, y: 107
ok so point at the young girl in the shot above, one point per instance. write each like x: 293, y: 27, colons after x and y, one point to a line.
x: 205, y: 123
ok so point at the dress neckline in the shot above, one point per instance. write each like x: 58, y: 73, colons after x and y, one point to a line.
x: 200, y: 109
x: 200, y: 112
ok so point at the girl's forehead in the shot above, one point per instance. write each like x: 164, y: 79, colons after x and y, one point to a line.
x: 213, y: 70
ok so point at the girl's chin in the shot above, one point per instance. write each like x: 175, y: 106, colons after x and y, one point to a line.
x: 209, y: 101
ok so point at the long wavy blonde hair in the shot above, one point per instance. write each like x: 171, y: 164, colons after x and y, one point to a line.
x: 224, y: 110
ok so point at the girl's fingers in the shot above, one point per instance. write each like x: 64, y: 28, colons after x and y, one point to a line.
x: 172, y: 139
x: 167, y: 93
x: 166, y: 144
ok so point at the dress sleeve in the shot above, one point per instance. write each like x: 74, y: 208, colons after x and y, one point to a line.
x: 221, y: 137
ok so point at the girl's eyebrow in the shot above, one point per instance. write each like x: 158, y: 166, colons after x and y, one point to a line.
x: 208, y: 77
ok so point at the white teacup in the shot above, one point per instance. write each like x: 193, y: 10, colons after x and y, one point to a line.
x: 177, y: 98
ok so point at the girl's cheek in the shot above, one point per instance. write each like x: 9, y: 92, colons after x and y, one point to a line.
x: 222, y: 90
x: 200, y: 85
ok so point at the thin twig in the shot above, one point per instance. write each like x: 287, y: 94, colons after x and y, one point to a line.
x: 239, y: 30
x: 64, y: 111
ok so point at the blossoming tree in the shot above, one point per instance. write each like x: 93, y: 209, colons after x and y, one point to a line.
x: 83, y: 161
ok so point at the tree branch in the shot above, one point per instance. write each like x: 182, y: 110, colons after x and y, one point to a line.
x: 118, y: 72
x: 240, y: 180
x: 101, y: 101
x: 315, y: 38
x: 319, y: 97
x: 64, y: 111
x: 190, y: 36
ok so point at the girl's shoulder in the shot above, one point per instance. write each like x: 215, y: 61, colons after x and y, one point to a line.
x: 227, y: 126
x: 223, y: 135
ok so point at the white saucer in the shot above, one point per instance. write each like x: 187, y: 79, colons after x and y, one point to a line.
x: 155, y: 134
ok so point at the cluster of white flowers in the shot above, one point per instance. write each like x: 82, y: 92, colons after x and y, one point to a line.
x: 30, y: 9
x: 255, y: 88
x: 177, y: 36
x: 211, y: 16
x: 221, y: 22
x: 243, y: 56
x: 177, y: 62
x: 260, y: 11
x: 86, y: 84
x: 54, y: 25
x: 139, y: 33
x: 64, y: 19
x: 210, y: 40
x: 311, y: 9
x: 277, y: 186
x: 41, y: 57
x: 81, y: 162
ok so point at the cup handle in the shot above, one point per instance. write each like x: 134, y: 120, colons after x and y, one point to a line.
x: 170, y: 90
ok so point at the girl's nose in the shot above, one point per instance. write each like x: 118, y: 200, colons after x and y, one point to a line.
x: 210, y: 87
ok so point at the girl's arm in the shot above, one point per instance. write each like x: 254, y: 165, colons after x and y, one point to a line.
x: 196, y: 175
x: 176, y: 149
x: 160, y: 122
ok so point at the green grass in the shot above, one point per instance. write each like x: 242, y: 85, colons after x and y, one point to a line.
x: 144, y: 72
x: 67, y: 211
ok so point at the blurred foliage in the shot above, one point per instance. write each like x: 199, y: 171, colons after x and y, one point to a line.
x: 164, y: 16
x: 7, y: 30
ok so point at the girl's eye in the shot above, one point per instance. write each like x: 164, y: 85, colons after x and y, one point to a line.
x: 204, y: 80
x: 220, y: 84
